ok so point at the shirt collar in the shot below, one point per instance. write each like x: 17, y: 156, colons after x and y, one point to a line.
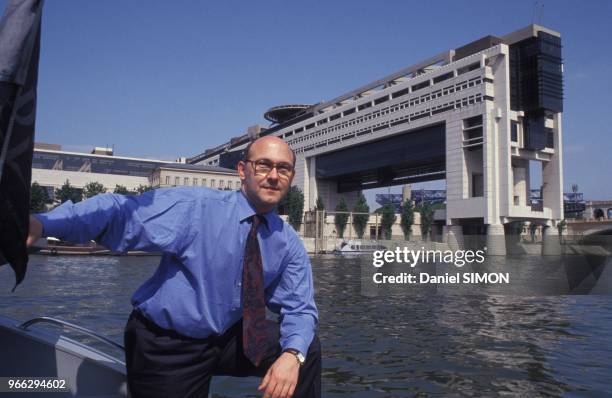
x: 246, y: 209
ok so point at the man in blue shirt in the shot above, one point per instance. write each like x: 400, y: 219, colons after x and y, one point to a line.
x: 187, y: 320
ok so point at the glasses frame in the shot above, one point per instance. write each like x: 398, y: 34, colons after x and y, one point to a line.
x: 274, y: 166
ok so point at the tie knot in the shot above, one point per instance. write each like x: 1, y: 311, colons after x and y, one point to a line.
x: 257, y: 219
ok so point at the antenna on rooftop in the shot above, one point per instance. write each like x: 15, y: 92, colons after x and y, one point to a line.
x: 538, y: 12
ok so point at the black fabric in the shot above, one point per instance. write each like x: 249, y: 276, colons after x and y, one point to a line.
x: 162, y: 363
x: 19, y: 51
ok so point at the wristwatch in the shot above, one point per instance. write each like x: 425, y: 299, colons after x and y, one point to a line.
x: 298, y: 355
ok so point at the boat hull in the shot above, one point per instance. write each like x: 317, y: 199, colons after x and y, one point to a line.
x: 38, y: 353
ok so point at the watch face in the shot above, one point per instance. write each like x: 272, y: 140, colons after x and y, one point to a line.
x: 301, y: 357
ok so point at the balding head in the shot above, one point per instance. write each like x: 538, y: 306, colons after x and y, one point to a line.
x: 269, y: 139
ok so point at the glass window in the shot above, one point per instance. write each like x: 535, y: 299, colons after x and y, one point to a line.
x: 195, y: 181
x: 167, y: 180
x: 177, y: 181
x: 203, y: 182
x: 186, y: 181
x: 514, y: 131
x: 212, y: 183
x: 401, y: 92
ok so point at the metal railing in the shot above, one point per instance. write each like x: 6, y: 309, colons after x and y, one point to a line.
x: 24, y: 326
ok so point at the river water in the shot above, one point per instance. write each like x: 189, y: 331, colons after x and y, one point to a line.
x: 373, y: 345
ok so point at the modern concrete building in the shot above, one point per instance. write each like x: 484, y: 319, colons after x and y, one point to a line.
x: 485, y: 117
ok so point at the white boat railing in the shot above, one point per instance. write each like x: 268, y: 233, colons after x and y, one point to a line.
x: 44, y: 319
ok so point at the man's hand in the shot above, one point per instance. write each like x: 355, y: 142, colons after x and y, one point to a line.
x: 35, y: 232
x: 281, y: 378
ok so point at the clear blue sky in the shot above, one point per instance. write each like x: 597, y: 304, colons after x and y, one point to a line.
x: 163, y: 79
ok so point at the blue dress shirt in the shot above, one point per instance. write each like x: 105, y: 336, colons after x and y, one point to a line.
x: 202, y: 234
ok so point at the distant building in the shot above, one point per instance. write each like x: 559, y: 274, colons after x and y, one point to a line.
x: 169, y: 175
x: 598, y: 210
x: 431, y: 196
x: 573, y: 202
x: 52, y: 167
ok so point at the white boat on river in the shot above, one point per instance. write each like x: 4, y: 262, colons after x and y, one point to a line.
x: 357, y: 247
x: 30, y: 352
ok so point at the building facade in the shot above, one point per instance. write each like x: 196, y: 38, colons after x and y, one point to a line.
x: 171, y: 175
x: 485, y: 117
x: 52, y: 167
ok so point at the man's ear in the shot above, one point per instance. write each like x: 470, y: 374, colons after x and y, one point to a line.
x: 241, y: 172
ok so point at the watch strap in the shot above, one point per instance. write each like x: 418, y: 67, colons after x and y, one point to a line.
x: 298, y: 355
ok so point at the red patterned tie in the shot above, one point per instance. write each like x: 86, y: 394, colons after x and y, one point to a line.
x: 253, y: 302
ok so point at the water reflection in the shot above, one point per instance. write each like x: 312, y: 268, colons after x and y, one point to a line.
x: 385, y: 345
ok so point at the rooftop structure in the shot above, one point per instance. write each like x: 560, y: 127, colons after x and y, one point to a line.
x: 283, y: 113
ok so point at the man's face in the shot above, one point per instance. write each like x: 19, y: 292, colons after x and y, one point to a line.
x: 265, y: 189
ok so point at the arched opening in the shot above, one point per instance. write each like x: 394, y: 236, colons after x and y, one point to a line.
x: 609, y: 214
x: 598, y: 213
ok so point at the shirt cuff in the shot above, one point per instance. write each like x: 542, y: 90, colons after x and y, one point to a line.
x: 55, y: 223
x: 297, y: 343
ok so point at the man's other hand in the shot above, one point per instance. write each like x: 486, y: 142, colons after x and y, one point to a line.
x: 281, y: 378
x: 35, y: 231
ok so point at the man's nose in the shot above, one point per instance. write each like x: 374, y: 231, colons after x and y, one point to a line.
x: 273, y: 174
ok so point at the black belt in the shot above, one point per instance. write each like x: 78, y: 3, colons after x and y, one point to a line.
x: 153, y: 327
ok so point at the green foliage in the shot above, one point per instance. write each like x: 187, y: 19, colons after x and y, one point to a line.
x: 92, y: 189
x: 407, y: 218
x: 144, y: 188
x: 38, y: 198
x: 387, y: 220
x: 360, y: 221
x: 319, y: 206
x: 120, y: 189
x: 340, y: 219
x: 427, y: 213
x: 561, y: 226
x: 295, y: 207
x: 68, y: 192
x: 438, y: 206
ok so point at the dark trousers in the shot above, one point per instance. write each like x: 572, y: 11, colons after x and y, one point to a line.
x: 162, y: 363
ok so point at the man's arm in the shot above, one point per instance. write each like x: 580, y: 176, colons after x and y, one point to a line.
x: 157, y: 220
x: 293, y: 297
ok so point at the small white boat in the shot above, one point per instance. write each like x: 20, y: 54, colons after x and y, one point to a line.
x: 357, y: 247
x: 31, y: 352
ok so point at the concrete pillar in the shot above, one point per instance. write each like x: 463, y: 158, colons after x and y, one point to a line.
x: 406, y: 192
x: 551, y: 246
x: 313, y: 191
x: 496, y: 240
x: 453, y: 236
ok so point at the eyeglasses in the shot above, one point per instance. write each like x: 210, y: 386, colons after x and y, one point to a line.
x: 264, y: 167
